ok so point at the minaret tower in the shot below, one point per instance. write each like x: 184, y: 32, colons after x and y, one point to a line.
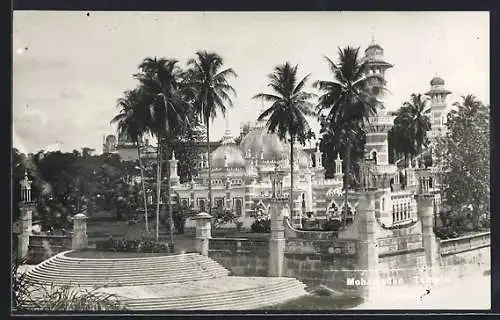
x: 438, y: 95
x: 378, y: 126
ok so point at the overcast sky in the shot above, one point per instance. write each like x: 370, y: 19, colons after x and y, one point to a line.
x: 69, y: 68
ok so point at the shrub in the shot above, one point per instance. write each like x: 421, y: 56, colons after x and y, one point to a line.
x: 239, y: 225
x: 144, y: 245
x: 261, y: 226
x: 332, y: 225
x: 222, y: 216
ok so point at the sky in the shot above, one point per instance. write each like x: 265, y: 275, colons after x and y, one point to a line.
x: 69, y: 68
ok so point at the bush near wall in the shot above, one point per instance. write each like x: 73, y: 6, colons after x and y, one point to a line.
x: 132, y: 245
x: 261, y: 226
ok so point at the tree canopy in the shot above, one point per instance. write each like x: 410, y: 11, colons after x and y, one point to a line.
x: 463, y: 155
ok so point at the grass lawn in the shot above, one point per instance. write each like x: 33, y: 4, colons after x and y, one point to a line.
x: 313, y: 302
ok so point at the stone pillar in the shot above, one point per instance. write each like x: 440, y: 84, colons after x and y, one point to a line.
x: 79, y: 240
x: 277, y: 238
x: 227, y: 200
x: 25, y: 224
x: 368, y: 247
x: 309, y: 193
x: 203, y: 232
x: 174, y: 177
x: 425, y: 207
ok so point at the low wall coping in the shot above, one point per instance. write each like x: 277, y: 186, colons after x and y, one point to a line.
x: 444, y: 254
x: 467, y: 237
x: 52, y: 236
x: 240, y: 239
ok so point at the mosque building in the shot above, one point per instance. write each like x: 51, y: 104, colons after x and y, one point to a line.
x: 245, y: 175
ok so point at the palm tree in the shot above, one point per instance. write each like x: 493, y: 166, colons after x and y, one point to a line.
x: 133, y: 121
x: 348, y: 101
x: 160, y: 81
x: 416, y: 115
x: 211, y: 94
x: 289, y: 106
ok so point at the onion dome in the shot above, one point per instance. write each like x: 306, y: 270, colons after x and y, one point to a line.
x: 437, y: 87
x: 228, y: 154
x: 264, y: 145
x: 437, y: 81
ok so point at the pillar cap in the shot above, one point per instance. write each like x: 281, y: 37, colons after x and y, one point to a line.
x: 202, y: 215
x: 79, y: 216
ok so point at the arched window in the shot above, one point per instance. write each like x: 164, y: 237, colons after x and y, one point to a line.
x: 238, y: 204
x: 184, y: 203
x: 383, y: 204
x: 374, y: 156
x: 201, y: 204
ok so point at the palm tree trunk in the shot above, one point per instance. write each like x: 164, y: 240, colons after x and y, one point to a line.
x: 209, y: 171
x: 346, y: 186
x: 143, y: 188
x: 158, y: 187
x: 291, y: 177
x: 169, y: 199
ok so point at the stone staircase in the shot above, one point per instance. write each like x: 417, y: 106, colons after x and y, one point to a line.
x: 179, y: 282
x: 64, y: 270
x: 265, y: 294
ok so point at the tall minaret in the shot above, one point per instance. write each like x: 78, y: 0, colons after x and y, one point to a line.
x: 378, y: 126
x: 438, y: 95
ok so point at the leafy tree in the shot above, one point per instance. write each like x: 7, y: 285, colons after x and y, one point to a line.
x: 210, y: 95
x: 133, y: 121
x: 348, y: 101
x: 160, y: 81
x: 463, y: 155
x: 289, y: 107
x: 411, y: 124
x: 333, y: 142
x: 223, y: 216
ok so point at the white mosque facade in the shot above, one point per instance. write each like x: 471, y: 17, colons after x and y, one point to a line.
x: 243, y: 174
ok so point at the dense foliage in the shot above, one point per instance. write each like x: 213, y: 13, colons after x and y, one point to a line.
x: 409, y: 133
x: 222, y: 216
x: 68, y: 182
x: 463, y: 154
x: 144, y: 245
x: 261, y: 226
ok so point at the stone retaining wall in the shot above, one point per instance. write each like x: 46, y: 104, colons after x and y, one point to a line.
x: 42, y: 247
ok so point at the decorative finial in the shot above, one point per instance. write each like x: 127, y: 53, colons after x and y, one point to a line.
x: 338, y: 156
x: 173, y: 155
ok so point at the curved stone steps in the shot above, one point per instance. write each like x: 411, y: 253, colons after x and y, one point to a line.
x: 114, y: 281
x: 71, y: 268
x: 126, y: 278
x: 118, y: 268
x: 63, y: 270
x: 250, y: 298
x: 130, y: 262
